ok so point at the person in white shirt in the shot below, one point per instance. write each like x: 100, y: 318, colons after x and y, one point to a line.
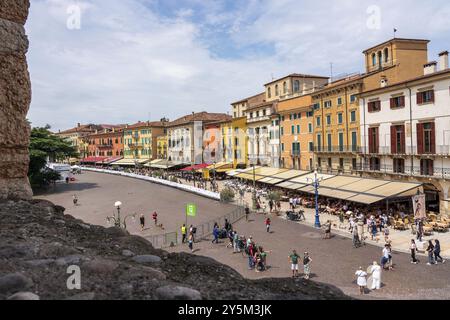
x: 385, y: 258
x: 361, y: 280
x: 375, y: 270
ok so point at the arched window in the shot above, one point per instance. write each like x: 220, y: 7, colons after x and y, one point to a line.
x: 277, y: 93
x: 380, y: 59
x: 296, y: 86
x: 374, y: 59
x: 386, y: 55
x: 285, y: 87
x: 269, y: 93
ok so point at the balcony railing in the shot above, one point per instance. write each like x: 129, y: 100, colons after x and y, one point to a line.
x: 439, y: 173
x: 295, y: 153
x: 337, y: 149
x: 407, y: 150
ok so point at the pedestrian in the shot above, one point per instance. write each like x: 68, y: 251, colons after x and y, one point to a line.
x: 268, y: 224
x: 386, y: 234
x: 361, y: 280
x: 271, y: 205
x: 249, y: 250
x: 155, y: 218
x: 430, y: 250
x: 374, y: 229
x: 216, y: 235
x: 183, y: 233
x: 327, y: 230
x: 413, y: 248
x: 236, y: 247
x: 228, y: 227
x: 247, y: 213
x: 437, y: 251
x: 306, y: 265
x: 385, y: 257
x: 293, y: 259
x: 142, y: 221
x: 191, y: 241
x: 375, y: 270
x: 75, y: 200
x: 355, y: 238
x: 279, y: 206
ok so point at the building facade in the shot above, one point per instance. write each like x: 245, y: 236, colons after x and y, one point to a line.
x: 405, y: 131
x: 297, y: 132
x: 186, y: 136
x: 161, y: 143
x: 336, y: 106
x: 140, y: 140
x: 76, y: 136
x: 105, y: 143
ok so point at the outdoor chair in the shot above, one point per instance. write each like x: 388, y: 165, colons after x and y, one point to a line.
x: 432, y: 217
x: 400, y: 225
x: 427, y: 229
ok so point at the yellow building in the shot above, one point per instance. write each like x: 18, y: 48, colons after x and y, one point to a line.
x: 140, y: 142
x: 161, y: 142
x: 297, y: 133
x: 336, y: 106
x: 234, y: 142
x: 76, y: 136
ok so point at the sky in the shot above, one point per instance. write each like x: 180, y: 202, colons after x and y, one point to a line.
x: 122, y: 61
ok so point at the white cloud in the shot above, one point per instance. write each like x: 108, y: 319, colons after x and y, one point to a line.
x: 127, y: 61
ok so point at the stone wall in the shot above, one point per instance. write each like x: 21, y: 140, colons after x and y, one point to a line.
x: 15, y: 98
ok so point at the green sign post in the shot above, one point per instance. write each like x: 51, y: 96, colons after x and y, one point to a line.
x: 191, y: 211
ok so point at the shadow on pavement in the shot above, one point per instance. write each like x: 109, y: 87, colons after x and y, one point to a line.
x: 72, y: 187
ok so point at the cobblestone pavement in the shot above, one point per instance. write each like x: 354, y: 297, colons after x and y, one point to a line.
x: 334, y: 260
x: 98, y: 192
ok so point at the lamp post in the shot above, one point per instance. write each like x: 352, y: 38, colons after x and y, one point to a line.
x: 116, y: 219
x: 315, y: 182
x: 254, y: 188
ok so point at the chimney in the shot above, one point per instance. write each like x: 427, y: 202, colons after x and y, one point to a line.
x: 79, y: 124
x: 430, y: 67
x: 443, y: 60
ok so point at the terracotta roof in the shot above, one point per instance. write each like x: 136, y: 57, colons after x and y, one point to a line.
x: 264, y: 104
x: 246, y: 99
x: 393, y: 86
x: 201, y: 116
x: 338, y: 83
x: 395, y: 40
x: 82, y: 128
x: 297, y: 75
x: 143, y: 124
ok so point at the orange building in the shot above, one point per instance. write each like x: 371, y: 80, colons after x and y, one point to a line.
x: 297, y: 132
x: 105, y: 146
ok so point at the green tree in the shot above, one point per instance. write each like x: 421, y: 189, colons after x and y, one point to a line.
x: 45, y: 145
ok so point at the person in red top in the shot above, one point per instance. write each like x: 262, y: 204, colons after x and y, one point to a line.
x: 155, y: 218
x: 268, y: 224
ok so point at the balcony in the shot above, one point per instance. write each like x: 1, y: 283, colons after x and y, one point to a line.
x: 136, y: 145
x: 258, y: 119
x: 105, y: 146
x: 436, y: 173
x: 406, y: 151
x: 338, y: 149
x: 295, y: 153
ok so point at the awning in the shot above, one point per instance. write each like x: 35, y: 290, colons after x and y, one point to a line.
x: 165, y: 164
x: 354, y: 189
x: 93, y: 159
x: 130, y: 162
x: 196, y: 167
x: 109, y: 160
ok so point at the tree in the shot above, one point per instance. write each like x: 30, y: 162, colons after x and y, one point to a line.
x: 45, y: 145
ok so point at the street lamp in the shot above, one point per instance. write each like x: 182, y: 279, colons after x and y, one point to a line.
x: 254, y: 188
x: 116, y: 218
x: 315, y: 183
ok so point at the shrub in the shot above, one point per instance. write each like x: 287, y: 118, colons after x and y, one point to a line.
x: 227, y: 195
x: 274, y: 196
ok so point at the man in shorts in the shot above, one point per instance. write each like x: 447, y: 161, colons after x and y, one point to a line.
x: 293, y: 258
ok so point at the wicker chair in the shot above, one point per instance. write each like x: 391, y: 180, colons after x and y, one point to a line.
x: 400, y: 225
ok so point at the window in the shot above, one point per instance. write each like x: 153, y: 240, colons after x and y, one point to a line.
x: 285, y: 87
x: 298, y: 129
x: 397, y: 102
x: 374, y: 106
x: 251, y: 115
x: 353, y: 116
x: 386, y: 55
x: 329, y: 143
x: 309, y: 114
x: 398, y: 139
x: 295, y: 116
x: 311, y: 146
x: 353, y: 98
x: 277, y: 93
x: 319, y: 142
x: 282, y: 147
x: 292, y: 129
x: 426, y: 141
x: 426, y: 167
x: 425, y: 97
x: 310, y: 127
x: 264, y: 112
x: 318, y: 121
x: 373, y: 140
x: 374, y: 59
x: 282, y: 130
x: 296, y: 149
x: 375, y: 164
x: 316, y: 106
x: 257, y: 114
x: 354, y: 141
x: 340, y: 118
x: 339, y: 101
x: 269, y: 93
x: 399, y: 165
x: 328, y: 119
x: 296, y: 86
x: 327, y: 104
x: 341, y: 141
